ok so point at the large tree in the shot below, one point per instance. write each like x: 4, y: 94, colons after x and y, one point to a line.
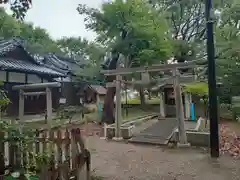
x: 227, y: 46
x: 131, y: 28
x: 18, y: 7
x: 186, y: 20
x: 8, y: 25
x: 187, y: 24
x: 37, y: 40
x: 74, y: 47
x: 89, y: 54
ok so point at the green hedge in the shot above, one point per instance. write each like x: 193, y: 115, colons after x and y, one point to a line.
x: 135, y: 101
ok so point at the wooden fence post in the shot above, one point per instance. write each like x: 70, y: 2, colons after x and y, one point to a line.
x: 49, y: 105
x: 21, y: 104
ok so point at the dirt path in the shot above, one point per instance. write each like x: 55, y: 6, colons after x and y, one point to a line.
x: 121, y: 161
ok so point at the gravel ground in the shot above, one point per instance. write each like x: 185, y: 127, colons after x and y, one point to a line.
x: 122, y: 161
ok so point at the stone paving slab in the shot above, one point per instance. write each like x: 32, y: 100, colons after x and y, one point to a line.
x: 159, y: 133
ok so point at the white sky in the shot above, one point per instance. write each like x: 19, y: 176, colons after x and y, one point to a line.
x: 60, y: 17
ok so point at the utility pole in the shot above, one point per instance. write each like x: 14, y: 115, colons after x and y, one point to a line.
x: 213, y: 104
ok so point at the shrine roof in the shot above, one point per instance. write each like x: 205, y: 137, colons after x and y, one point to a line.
x: 26, y: 64
x: 23, y: 66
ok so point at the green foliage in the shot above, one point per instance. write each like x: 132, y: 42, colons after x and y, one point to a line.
x: 73, y: 47
x: 3, y: 98
x: 88, y: 54
x: 236, y: 107
x: 132, y: 28
x: 187, y: 26
x: 197, y: 88
x: 37, y: 39
x: 23, y: 137
x: 19, y: 8
x: 201, y: 90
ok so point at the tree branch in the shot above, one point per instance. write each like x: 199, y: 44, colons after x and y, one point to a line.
x: 198, y: 22
x: 186, y: 26
x: 177, y: 29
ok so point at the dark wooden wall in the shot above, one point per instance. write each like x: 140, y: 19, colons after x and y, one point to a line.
x: 69, y: 91
x: 32, y: 105
x: 90, y: 96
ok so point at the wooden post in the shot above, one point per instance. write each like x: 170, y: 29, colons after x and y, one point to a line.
x: 179, y: 110
x: 187, y: 105
x: 118, y: 108
x: 145, y: 77
x: 162, y: 105
x: 86, y: 129
x: 21, y: 104
x: 49, y: 105
x: 98, y: 99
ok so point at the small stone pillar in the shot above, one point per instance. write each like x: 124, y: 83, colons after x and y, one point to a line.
x: 162, y: 105
x: 187, y: 99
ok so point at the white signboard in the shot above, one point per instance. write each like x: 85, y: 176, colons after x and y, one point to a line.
x: 81, y: 100
x: 62, y: 100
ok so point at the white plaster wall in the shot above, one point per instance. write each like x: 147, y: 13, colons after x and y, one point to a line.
x: 32, y: 78
x: 16, y: 77
x: 3, y: 75
x: 45, y: 81
x: 20, y: 77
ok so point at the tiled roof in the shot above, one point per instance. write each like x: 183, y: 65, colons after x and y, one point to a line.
x: 8, y: 45
x: 13, y: 64
x: 64, y: 79
x: 99, y: 89
x: 61, y: 64
x: 51, y: 61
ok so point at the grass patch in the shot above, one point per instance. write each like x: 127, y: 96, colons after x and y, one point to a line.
x: 136, y: 101
x: 134, y: 112
x: 95, y: 177
x: 57, y: 122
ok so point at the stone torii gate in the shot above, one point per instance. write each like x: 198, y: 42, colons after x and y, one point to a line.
x: 176, y: 78
x: 170, y: 80
x: 48, y: 92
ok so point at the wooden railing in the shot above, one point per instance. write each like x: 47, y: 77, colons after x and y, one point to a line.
x: 54, y: 154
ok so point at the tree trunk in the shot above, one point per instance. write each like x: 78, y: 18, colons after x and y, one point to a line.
x: 149, y: 95
x: 108, y: 115
x: 108, y: 108
x: 142, y: 96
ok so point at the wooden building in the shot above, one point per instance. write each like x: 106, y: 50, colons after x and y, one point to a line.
x: 18, y: 66
x: 66, y: 66
x: 94, y: 93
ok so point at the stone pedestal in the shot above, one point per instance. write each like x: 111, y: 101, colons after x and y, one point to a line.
x: 187, y: 99
x: 180, y: 145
